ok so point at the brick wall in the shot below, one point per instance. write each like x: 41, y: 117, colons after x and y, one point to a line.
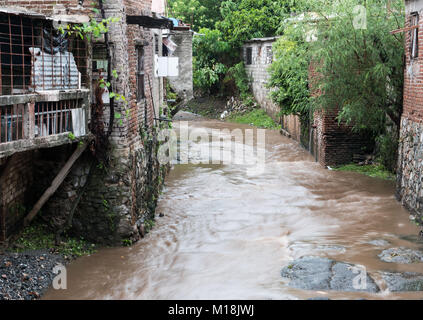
x: 16, y: 176
x: 330, y: 142
x: 335, y: 143
x: 50, y: 7
x: 410, y: 158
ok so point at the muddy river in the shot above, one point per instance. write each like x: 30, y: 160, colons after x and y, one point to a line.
x: 226, y: 234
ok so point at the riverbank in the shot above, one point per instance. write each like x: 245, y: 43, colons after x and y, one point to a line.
x: 26, y: 268
x: 371, y: 170
x: 27, y: 275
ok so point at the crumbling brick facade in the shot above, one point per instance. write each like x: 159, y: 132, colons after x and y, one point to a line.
x: 410, y: 160
x: 107, y: 201
x: 334, y: 143
x: 330, y: 142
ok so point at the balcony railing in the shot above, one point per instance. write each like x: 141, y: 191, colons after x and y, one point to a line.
x: 39, y: 121
x: 43, y: 72
x: 47, y: 118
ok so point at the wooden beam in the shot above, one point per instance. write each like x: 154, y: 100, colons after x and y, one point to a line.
x: 56, y: 183
x: 404, y: 30
x: 150, y: 22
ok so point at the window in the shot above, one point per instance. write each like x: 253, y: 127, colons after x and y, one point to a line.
x: 414, y: 41
x: 249, y: 54
x: 269, y: 55
x: 140, y: 75
x: 156, y: 44
x: 100, y: 63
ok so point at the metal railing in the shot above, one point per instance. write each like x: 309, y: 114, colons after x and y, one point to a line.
x: 34, y: 56
x: 41, y: 119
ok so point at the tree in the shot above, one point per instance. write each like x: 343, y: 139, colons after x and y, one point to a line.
x: 199, y: 13
x: 246, y: 19
x: 361, y: 65
x: 289, y: 75
x: 209, y: 52
x: 359, y: 62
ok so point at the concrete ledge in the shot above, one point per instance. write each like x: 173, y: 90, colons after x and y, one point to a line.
x: 10, y: 148
x: 44, y: 96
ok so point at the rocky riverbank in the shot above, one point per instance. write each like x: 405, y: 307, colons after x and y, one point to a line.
x: 318, y: 273
x: 27, y: 275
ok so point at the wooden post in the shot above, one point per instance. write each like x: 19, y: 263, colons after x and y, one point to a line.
x: 29, y: 120
x: 56, y: 183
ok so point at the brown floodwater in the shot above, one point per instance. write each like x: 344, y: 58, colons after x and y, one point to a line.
x: 227, y: 235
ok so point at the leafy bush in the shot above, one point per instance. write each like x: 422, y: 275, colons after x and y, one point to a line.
x: 289, y: 75
x: 371, y: 170
x: 387, y: 150
x: 361, y: 68
x: 209, y: 48
x: 241, y: 79
x: 256, y: 117
x: 39, y: 237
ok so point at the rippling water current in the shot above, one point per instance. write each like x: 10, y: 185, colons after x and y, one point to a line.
x: 226, y: 235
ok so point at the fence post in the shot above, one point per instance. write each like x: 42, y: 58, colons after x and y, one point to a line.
x: 29, y: 120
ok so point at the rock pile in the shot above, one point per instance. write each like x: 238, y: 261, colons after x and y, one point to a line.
x: 26, y: 276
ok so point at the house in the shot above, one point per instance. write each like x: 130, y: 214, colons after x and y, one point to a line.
x: 410, y: 162
x: 55, y: 116
x: 328, y: 141
x: 178, y: 44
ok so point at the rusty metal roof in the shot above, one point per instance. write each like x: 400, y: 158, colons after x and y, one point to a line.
x: 19, y: 11
x: 22, y: 12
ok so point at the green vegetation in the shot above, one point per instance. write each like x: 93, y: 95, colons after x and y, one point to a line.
x: 209, y: 52
x: 359, y: 63
x: 39, y: 237
x: 149, y: 224
x: 371, y: 170
x: 198, y: 13
x: 223, y: 27
x: 256, y: 117
x: 360, y: 67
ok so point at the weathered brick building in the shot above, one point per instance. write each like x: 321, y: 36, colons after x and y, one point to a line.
x: 258, y: 56
x: 330, y: 142
x: 52, y: 109
x: 410, y: 163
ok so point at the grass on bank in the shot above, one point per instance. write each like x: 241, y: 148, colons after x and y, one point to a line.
x: 371, y: 170
x: 256, y: 117
x: 38, y: 237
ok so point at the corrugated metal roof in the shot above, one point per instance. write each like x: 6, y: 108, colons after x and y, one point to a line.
x: 66, y: 18
x: 268, y: 39
x: 22, y: 12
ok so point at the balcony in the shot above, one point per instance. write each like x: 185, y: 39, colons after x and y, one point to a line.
x: 43, y: 80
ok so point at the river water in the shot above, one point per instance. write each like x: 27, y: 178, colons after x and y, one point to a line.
x: 227, y: 235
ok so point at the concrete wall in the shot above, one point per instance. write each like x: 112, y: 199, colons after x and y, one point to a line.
x: 183, y: 84
x: 410, y: 160
x: 257, y: 71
